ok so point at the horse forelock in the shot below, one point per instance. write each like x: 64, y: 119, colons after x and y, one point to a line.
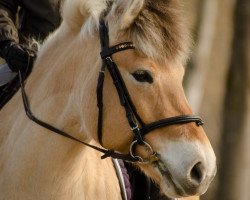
x: 158, y: 31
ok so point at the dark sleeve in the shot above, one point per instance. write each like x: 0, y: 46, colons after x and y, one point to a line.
x: 8, y: 11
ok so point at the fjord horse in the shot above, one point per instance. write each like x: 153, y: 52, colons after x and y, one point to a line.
x: 37, y: 164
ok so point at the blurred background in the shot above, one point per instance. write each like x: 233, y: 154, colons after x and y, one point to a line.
x: 217, y: 84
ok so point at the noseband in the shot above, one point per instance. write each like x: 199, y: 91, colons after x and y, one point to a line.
x: 138, y: 127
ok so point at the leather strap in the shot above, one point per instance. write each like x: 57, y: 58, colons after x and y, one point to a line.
x: 108, y: 51
x: 171, y: 121
x: 106, y: 152
x: 125, y: 99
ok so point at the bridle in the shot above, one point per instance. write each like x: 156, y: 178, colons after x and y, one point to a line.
x: 138, y: 127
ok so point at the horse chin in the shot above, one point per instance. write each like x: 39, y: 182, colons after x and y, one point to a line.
x: 163, y: 179
x: 167, y: 185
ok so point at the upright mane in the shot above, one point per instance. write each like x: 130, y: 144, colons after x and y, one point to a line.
x: 159, y: 31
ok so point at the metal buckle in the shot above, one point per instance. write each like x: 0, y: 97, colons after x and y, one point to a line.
x: 153, y: 155
x: 136, y: 127
x: 109, y: 59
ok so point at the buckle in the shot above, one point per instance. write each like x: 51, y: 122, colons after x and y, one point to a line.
x: 151, y: 158
x: 109, y: 59
x: 136, y: 127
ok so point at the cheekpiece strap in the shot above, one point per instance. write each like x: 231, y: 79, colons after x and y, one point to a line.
x: 108, y: 51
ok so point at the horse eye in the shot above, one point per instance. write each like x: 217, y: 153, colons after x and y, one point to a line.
x: 142, y: 76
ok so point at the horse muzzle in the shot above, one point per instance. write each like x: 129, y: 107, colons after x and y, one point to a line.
x: 187, y: 168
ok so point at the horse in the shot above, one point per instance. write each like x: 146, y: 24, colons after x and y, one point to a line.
x: 144, y: 45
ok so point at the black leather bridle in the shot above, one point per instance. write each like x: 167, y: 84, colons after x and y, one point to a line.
x: 138, y: 127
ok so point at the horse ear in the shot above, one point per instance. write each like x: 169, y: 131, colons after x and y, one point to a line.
x: 125, y: 11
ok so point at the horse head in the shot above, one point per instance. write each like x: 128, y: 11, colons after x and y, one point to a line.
x: 152, y: 73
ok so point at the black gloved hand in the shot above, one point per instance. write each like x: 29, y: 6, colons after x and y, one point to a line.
x: 18, y: 56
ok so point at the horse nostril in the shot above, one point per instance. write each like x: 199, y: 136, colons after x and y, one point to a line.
x: 197, y: 173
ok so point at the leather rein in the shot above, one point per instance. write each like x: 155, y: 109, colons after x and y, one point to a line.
x: 138, y: 127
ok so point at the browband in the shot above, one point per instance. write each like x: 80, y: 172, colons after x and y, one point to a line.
x: 108, y: 51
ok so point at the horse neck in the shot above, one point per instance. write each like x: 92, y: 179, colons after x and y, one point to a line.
x: 57, y: 167
x: 60, y: 88
x: 65, y: 78
x: 81, y: 173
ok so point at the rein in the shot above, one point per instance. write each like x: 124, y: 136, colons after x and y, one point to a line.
x: 106, y: 153
x: 138, y: 127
